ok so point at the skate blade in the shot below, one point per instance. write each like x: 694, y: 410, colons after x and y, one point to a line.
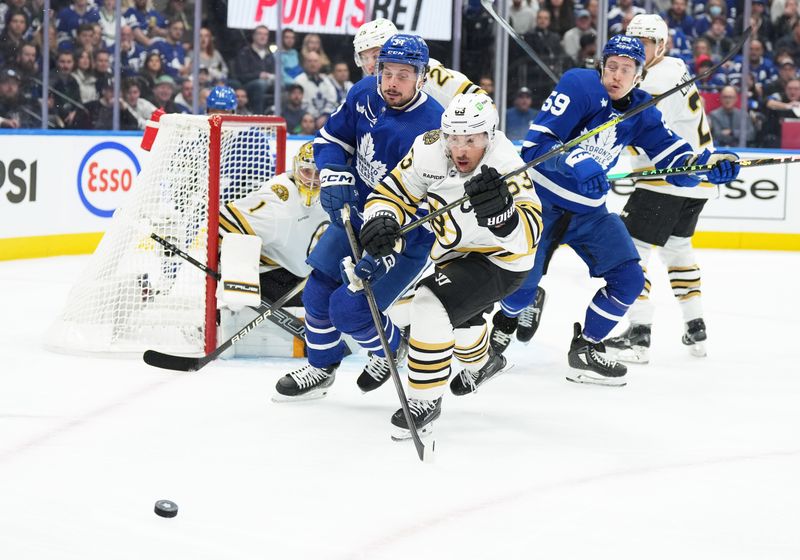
x: 698, y: 350
x: 632, y: 355
x: 310, y: 396
x: 585, y: 379
x: 402, y: 434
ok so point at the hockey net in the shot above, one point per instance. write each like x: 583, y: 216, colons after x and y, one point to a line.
x: 135, y: 295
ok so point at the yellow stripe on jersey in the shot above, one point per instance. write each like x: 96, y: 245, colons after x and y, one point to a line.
x: 245, y: 225
x: 398, y: 211
x: 384, y: 190
x: 228, y: 226
x: 397, y: 178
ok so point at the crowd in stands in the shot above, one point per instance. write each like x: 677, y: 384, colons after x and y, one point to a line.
x: 156, y: 55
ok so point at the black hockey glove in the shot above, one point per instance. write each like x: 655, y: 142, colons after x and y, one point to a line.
x: 493, y: 205
x: 379, y: 234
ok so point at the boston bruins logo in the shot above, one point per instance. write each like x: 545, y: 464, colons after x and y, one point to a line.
x: 448, y: 233
x: 281, y: 191
x: 431, y: 137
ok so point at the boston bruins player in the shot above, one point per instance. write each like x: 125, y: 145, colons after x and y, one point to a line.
x: 483, y: 250
x: 660, y: 214
x: 442, y: 83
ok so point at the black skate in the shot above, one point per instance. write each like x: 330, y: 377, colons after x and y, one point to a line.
x: 530, y: 317
x: 632, y: 346
x: 423, y: 414
x: 591, y: 363
x: 504, y: 327
x: 695, y: 337
x: 469, y: 380
x: 377, y: 371
x: 306, y: 383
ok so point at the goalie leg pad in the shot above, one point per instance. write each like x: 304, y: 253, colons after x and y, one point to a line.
x: 239, y: 284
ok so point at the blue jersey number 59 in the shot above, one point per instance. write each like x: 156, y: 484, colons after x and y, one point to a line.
x: 557, y: 103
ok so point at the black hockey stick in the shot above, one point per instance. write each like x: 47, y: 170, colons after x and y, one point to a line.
x: 577, y: 140
x: 425, y: 454
x: 487, y: 5
x: 188, y: 363
x: 280, y: 317
x: 687, y: 169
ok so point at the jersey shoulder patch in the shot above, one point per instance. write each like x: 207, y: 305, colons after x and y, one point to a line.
x: 280, y: 191
x: 431, y: 137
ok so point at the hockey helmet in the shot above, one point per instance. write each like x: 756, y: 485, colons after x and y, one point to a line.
x: 650, y: 26
x: 222, y: 98
x: 622, y: 45
x: 371, y: 35
x: 468, y: 114
x: 402, y: 48
x: 305, y: 174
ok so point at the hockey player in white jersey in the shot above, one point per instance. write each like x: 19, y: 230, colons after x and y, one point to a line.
x: 662, y: 215
x: 483, y: 250
x: 442, y: 83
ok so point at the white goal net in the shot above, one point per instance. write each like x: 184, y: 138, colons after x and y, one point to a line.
x: 136, y: 295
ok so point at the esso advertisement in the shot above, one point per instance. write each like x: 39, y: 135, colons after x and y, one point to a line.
x: 105, y: 177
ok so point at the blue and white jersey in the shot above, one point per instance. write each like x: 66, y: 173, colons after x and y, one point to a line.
x: 68, y: 20
x: 173, y: 55
x: 373, y: 138
x: 578, y: 104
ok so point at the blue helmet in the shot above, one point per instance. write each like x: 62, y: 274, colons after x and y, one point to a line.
x: 405, y: 49
x: 622, y: 45
x: 222, y: 98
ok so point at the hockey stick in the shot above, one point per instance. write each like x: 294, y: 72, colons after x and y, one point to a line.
x: 280, y: 317
x: 425, y: 454
x: 686, y: 170
x: 577, y: 140
x: 188, y: 363
x: 487, y: 5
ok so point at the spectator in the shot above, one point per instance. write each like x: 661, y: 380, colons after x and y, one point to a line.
x: 719, y: 43
x: 68, y: 93
x: 131, y: 52
x: 176, y: 11
x: 624, y: 9
x: 791, y: 43
x: 712, y: 83
x: 522, y: 16
x: 546, y: 43
x: 290, y: 58
x: 588, y: 51
x: 572, y: 38
x: 38, y: 40
x: 14, y: 5
x: 593, y: 6
x: 520, y: 116
x: 761, y: 68
x: 163, y: 91
x: 254, y: 68
x: 786, y: 71
x: 102, y: 64
x: 210, y: 57
x: 562, y: 15
x: 785, y: 22
x: 486, y: 83
x: 308, y: 125
x: 13, y: 111
x: 341, y: 81
x: 681, y: 47
x: 69, y: 19
x: 780, y: 106
x: 726, y: 120
x: 101, y: 111
x: 185, y: 95
x: 85, y: 76
x: 153, y: 69
x: 313, y: 43
x: 13, y: 36
x: 140, y: 108
x: 294, y: 108
x: 108, y: 22
x: 714, y: 8
x: 242, y: 103
x: 319, y: 93
x: 171, y: 48
x: 27, y: 69
x: 760, y: 22
x: 678, y: 18
x: 146, y: 22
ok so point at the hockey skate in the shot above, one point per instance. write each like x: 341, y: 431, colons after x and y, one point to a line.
x: 422, y: 412
x: 304, y: 384
x: 695, y: 337
x: 632, y: 346
x: 530, y: 317
x: 591, y: 365
x: 504, y: 328
x: 468, y: 381
x: 377, y: 371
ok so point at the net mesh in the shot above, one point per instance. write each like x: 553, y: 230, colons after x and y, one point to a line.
x: 136, y: 295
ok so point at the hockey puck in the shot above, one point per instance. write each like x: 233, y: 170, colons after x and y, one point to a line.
x: 165, y: 508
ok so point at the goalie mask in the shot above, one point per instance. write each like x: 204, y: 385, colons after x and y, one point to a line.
x: 305, y: 174
x: 470, y: 119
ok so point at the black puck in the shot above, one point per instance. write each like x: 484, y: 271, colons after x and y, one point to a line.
x: 165, y: 508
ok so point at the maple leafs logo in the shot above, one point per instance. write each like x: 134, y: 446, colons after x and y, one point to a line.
x: 369, y: 169
x: 603, y: 146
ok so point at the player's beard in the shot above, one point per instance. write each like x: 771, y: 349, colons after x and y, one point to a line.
x: 399, y: 100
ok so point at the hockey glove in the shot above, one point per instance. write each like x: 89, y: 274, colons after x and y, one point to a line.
x: 380, y: 233
x: 590, y: 175
x: 493, y: 204
x: 338, y: 187
x: 687, y: 180
x: 726, y: 166
x: 368, y: 268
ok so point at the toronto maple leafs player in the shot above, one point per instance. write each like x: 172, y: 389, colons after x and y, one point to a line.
x: 573, y: 187
x: 659, y: 214
x: 363, y: 139
x: 442, y: 83
x: 483, y: 250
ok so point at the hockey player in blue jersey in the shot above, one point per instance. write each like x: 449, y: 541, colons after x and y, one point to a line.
x: 573, y: 187
x: 364, y: 139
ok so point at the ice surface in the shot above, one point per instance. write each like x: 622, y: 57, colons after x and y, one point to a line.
x: 695, y: 458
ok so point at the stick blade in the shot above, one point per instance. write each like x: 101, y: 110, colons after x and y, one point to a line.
x: 428, y: 453
x: 168, y: 361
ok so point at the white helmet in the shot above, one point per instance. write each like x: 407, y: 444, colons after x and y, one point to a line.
x: 372, y: 34
x: 648, y: 26
x: 470, y: 113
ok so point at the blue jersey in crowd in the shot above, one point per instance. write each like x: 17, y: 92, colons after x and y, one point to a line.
x: 68, y: 20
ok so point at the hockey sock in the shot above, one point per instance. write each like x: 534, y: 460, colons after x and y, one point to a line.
x: 323, y: 341
x: 642, y: 310
x: 430, y: 348
x: 684, y: 276
x: 369, y: 340
x: 610, y: 303
x: 472, y: 346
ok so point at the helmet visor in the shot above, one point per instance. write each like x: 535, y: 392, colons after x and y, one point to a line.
x: 461, y: 141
